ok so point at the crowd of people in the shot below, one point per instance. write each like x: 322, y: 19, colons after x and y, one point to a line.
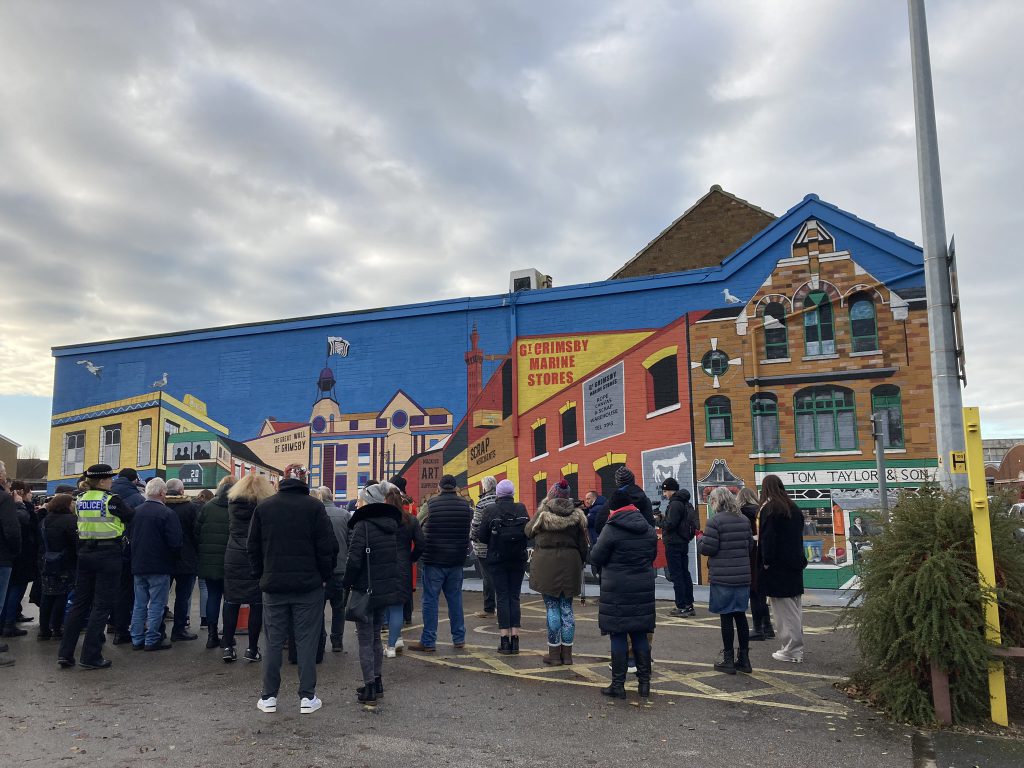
x: 102, y: 558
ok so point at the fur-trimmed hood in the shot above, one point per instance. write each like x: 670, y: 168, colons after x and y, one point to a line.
x: 557, y: 515
x: 183, y: 499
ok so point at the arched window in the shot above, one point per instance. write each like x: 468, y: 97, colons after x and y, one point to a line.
x: 764, y: 414
x: 863, y: 326
x: 887, y: 403
x: 819, y: 333
x: 826, y: 419
x: 776, y: 339
x: 718, y: 416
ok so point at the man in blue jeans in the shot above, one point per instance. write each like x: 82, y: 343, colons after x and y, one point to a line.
x: 10, y: 548
x: 446, y: 520
x: 156, y: 549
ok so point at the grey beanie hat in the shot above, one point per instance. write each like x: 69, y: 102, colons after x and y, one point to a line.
x: 375, y: 494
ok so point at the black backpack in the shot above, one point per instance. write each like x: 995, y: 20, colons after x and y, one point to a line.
x: 508, y: 537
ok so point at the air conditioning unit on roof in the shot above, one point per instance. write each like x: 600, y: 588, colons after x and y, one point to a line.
x: 527, y: 280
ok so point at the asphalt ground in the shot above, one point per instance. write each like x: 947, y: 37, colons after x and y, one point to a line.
x: 466, y: 707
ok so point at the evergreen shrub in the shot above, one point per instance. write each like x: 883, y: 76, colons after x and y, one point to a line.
x: 921, y: 602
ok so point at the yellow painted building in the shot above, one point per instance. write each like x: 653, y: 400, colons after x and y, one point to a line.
x: 123, y: 433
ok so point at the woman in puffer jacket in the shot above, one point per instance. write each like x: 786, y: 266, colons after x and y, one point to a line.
x: 240, y: 586
x: 727, y: 543
x: 559, y: 532
x: 625, y: 552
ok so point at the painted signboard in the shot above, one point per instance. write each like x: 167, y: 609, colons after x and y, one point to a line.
x: 604, y: 405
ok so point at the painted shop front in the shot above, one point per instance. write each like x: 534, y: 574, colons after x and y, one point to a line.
x: 668, y: 374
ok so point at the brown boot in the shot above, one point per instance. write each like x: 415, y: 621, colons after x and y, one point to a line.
x: 567, y: 655
x: 554, y: 657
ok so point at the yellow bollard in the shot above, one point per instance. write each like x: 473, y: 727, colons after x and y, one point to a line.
x: 975, y: 466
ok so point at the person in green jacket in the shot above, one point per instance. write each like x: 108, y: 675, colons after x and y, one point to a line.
x: 212, y: 533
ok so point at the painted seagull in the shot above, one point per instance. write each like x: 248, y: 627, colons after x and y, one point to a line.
x: 161, y: 382
x: 729, y: 298
x: 95, y: 370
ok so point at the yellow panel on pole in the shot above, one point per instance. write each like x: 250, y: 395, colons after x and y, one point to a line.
x: 986, y: 559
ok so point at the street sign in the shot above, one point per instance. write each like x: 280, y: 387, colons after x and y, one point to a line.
x: 958, y: 462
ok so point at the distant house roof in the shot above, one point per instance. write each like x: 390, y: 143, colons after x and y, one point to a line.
x: 242, y: 451
x: 287, y: 426
x: 9, y: 441
x: 707, y: 232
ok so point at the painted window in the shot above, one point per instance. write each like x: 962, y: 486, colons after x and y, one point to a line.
x: 341, y: 455
x: 718, y: 413
x: 74, y: 453
x: 663, y: 383
x: 540, y: 490
x: 826, y: 419
x: 863, y: 325
x: 362, y: 479
x: 340, y: 486
x: 569, y: 433
x: 715, y: 362
x: 540, y: 439
x: 573, y: 479
x: 110, y: 445
x: 144, y: 450
x: 238, y: 470
x: 606, y: 477
x: 888, y: 404
x: 819, y: 331
x: 764, y: 414
x: 364, y: 455
x: 776, y: 338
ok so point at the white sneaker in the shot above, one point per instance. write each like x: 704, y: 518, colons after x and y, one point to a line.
x: 268, y: 704
x: 399, y: 645
x: 307, y: 706
x: 389, y: 651
x: 780, y: 656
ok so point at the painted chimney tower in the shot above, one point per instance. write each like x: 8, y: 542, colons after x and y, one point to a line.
x: 474, y: 368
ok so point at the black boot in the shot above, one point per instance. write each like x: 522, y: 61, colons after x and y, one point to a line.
x: 367, y: 695
x: 515, y: 644
x: 726, y: 664
x: 505, y: 648
x: 757, y: 632
x: 617, y: 690
x: 378, y: 687
x: 766, y: 629
x: 212, y: 639
x: 743, y: 661
x: 643, y: 673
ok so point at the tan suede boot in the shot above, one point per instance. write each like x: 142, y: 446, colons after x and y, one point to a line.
x: 554, y: 657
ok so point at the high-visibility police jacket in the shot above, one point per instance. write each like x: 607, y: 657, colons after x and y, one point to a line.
x: 96, y: 518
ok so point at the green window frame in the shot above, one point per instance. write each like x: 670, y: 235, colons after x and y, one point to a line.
x: 863, y: 324
x: 776, y: 335
x: 887, y: 401
x: 819, y: 328
x: 764, y: 417
x: 715, y: 362
x: 825, y: 419
x: 718, y: 419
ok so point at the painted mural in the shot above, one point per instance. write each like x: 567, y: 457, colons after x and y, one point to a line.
x: 689, y: 375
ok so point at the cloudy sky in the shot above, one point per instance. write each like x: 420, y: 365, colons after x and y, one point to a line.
x: 170, y: 165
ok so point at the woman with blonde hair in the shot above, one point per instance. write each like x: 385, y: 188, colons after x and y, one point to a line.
x: 727, y: 543
x: 240, y: 587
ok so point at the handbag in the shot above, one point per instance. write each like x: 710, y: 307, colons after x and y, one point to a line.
x: 53, y: 562
x: 359, y: 607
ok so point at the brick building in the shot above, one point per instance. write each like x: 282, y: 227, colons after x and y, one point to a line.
x: 785, y: 383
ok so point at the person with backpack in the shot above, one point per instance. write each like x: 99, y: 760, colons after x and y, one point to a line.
x: 503, y: 531
x: 679, y: 525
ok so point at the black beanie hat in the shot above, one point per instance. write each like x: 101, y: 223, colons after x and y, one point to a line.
x: 448, y: 483
x: 399, y: 481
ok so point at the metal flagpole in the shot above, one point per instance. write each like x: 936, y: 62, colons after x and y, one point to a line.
x: 949, y: 423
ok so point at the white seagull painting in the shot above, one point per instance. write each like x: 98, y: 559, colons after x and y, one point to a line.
x: 95, y: 370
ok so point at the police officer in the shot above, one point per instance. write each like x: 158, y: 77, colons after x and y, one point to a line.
x: 102, y: 518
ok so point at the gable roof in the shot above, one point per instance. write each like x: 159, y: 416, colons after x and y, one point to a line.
x: 705, y: 233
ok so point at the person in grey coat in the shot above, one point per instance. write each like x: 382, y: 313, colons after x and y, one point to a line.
x: 334, y: 591
x: 727, y: 543
x: 487, y: 499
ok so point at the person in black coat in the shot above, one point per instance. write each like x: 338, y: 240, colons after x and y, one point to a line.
x: 679, y: 525
x: 506, y: 519
x: 373, y: 569
x: 213, y: 529
x: 185, y: 574
x: 241, y: 586
x: 25, y: 565
x: 625, y: 552
x: 750, y: 506
x: 293, y: 551
x: 59, y: 540
x: 782, y: 561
